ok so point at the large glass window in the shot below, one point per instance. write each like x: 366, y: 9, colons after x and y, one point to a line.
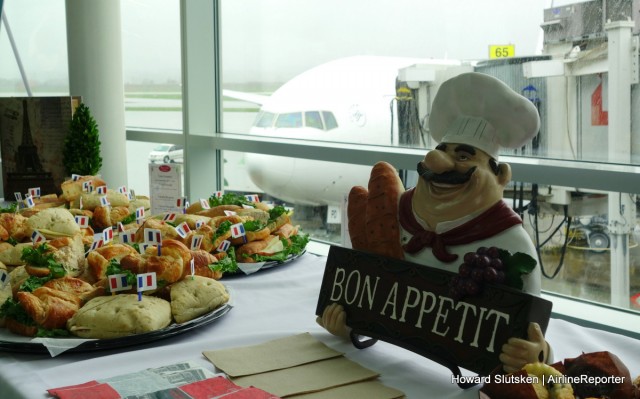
x: 379, y: 84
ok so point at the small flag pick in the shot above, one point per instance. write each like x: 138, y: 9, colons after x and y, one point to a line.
x: 146, y: 281
x: 181, y: 202
x: 118, y: 282
x: 98, y: 241
x: 192, y: 264
x: 4, y: 278
x: 229, y: 213
x: 142, y: 247
x: 122, y: 190
x: 196, y: 242
x: 82, y: 221
x: 199, y: 223
x: 28, y: 201
x: 204, y: 203
x: 128, y: 237
x: 140, y: 213
x: 107, y: 234
x: 252, y: 197
x: 218, y: 194
x: 169, y: 217
x: 104, y: 201
x: 183, y: 229
x: 224, y: 246
x: 75, y: 177
x: 37, y: 237
x: 18, y: 196
x: 87, y: 186
x: 152, y: 236
x: 120, y: 227
x: 237, y: 230
x: 101, y: 190
x: 35, y: 192
x: 80, y: 202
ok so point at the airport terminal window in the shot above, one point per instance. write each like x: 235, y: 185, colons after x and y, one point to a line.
x: 575, y: 110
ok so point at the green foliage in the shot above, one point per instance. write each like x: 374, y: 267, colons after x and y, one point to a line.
x: 81, y: 150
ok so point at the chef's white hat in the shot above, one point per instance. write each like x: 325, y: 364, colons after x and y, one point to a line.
x: 480, y: 110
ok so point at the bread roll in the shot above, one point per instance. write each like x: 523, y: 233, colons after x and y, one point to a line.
x: 13, y: 225
x: 268, y: 246
x: 71, y: 189
x: 91, y: 200
x: 11, y: 255
x: 218, y: 210
x: 120, y: 315
x: 98, y: 260
x: 193, y: 297
x: 54, y: 223
x: 107, y: 216
x: 201, y: 261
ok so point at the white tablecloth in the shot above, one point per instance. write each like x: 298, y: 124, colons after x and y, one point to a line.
x: 270, y: 304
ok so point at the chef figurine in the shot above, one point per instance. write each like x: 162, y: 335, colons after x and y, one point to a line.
x: 456, y: 206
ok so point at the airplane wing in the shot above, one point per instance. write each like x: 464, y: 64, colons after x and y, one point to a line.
x: 248, y: 97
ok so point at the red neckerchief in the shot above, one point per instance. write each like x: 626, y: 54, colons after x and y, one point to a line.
x: 489, y: 223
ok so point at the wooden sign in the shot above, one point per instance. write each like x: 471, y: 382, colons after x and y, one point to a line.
x: 409, y: 305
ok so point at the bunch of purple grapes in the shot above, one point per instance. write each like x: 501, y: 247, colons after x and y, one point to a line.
x: 478, y: 268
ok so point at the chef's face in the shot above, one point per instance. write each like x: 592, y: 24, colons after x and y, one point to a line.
x: 456, y: 180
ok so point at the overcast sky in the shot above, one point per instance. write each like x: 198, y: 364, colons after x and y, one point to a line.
x: 275, y: 39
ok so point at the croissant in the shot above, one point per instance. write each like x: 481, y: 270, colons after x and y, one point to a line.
x: 48, y: 307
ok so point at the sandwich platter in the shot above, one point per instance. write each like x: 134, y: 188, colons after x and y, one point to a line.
x: 14, y: 343
x: 250, y: 268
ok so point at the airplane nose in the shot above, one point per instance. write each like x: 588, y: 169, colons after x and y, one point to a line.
x: 439, y: 161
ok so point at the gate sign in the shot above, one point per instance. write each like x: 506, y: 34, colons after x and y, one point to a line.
x: 409, y: 305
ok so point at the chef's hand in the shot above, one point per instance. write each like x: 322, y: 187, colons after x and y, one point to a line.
x: 517, y: 352
x: 334, y: 320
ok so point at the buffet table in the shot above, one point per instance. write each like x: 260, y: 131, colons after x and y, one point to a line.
x: 270, y: 304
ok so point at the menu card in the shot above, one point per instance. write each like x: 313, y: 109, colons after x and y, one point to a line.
x: 177, y: 381
x: 300, y: 367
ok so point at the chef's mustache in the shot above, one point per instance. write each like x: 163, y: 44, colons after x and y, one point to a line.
x: 449, y: 177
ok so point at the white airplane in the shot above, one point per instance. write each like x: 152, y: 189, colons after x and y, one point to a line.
x: 350, y: 100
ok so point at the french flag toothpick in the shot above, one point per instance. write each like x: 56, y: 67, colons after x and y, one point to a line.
x: 107, y: 234
x: 218, y: 194
x: 37, y: 237
x: 122, y: 190
x: 128, y: 237
x: 140, y: 213
x: 169, y: 217
x: 118, y: 282
x: 204, y: 203
x: 104, y: 201
x: 75, y: 177
x: 82, y: 221
x: 229, y: 213
x: 224, y: 246
x: 181, y: 202
x: 87, y: 186
x: 35, y: 192
x: 183, y: 229
x: 146, y: 281
x: 101, y: 190
x: 237, y: 230
x: 28, y: 201
x: 252, y: 197
x: 152, y: 236
x: 196, y: 242
x: 18, y: 196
